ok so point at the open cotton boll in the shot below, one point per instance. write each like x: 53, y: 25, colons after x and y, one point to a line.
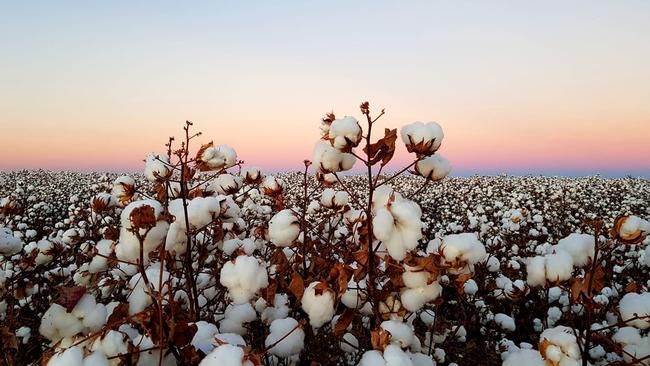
x: 96, y: 359
x: 57, y: 323
x: 251, y: 174
x: 372, y: 358
x: 332, y: 199
x: 128, y: 246
x: 639, y: 304
x: 226, y: 355
x: 505, y: 322
x: 355, y: 296
x: 345, y: 133
x: 579, y: 246
x: 225, y: 184
x: 460, y: 251
x: 123, y: 188
x: 155, y: 167
x: 72, y: 356
x: 524, y: 357
x: 112, y: 344
x: 328, y: 159
x: 280, y: 309
x: 272, y: 185
x: 559, y: 346
x: 99, y: 262
x: 9, y: 244
x: 413, y: 299
x: 284, y: 228
x: 422, y: 138
x: 139, y: 298
x: 433, y: 167
x: 318, y: 302
x: 204, y: 336
x: 633, y: 227
x: 398, y: 225
x: 400, y: 332
x: 556, y: 267
x: 288, y: 337
x: 235, y: 316
x: 244, y: 277
x: 103, y: 201
x: 212, y: 157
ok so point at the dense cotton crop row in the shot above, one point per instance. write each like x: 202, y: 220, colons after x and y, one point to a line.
x: 203, y: 261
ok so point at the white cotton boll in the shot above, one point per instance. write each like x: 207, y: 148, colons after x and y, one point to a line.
x: 72, y: 356
x: 287, y: 346
x: 332, y: 199
x: 579, y: 246
x: 355, y: 297
x: 204, y: 336
x: 279, y: 310
x: 559, y: 266
x: 319, y: 307
x: 524, y: 357
x: 96, y: 359
x: 400, y: 332
x: 639, y: 304
x: 394, y: 356
x: 284, y: 228
x: 243, y: 278
x: 226, y: 184
x: 251, y: 174
x: 155, y: 167
x: 433, y: 167
x: 218, y: 157
x: 9, y: 245
x: 422, y: 138
x: 398, y: 224
x: 414, y: 277
x: 128, y: 247
x: 112, y: 344
x: 99, y: 262
x: 123, y: 188
x: 328, y: 159
x: 226, y: 355
x: 372, y: 358
x: 421, y: 359
x: 627, y: 335
x: 562, y: 346
x: 236, y: 316
x: 345, y: 133
x: 349, y: 343
x: 536, y: 271
x: 634, y: 226
x: 139, y: 298
x: 470, y: 287
x: 505, y: 322
x: 462, y: 251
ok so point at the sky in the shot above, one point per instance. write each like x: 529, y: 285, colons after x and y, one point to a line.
x: 548, y: 87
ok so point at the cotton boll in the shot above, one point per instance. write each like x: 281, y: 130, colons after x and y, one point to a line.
x: 225, y: 184
x: 462, y: 251
x: 128, y: 247
x: 433, y: 167
x: 216, y: 157
x: 561, y: 346
x: 72, y: 356
x: 318, y: 302
x: 527, y: 357
x: 422, y: 138
x: 345, y: 133
x: 400, y: 333
x: 328, y: 159
x: 284, y: 228
x: 155, y: 167
x: 9, y: 245
x: 633, y: 305
x: 631, y: 228
x: 556, y: 267
x: 236, y: 316
x: 397, y: 224
x: 332, y: 199
x: 372, y: 358
x: 505, y: 322
x: 579, y: 246
x: 279, y: 310
x: 226, y: 355
x: 99, y: 261
x: 123, y: 188
x: 112, y: 344
x: 96, y: 359
x: 243, y: 277
x: 394, y: 356
x: 251, y: 175
x: 287, y: 345
x: 470, y: 287
x: 139, y: 299
x: 355, y: 297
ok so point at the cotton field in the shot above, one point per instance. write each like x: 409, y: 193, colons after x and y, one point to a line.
x: 200, y: 259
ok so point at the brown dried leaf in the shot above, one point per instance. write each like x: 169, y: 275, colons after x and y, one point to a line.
x: 344, y: 321
x: 297, y: 285
x: 382, y: 150
x: 70, y: 296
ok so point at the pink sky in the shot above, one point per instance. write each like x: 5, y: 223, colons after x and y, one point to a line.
x: 518, y: 88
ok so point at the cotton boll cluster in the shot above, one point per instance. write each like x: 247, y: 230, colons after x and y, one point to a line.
x: 318, y: 302
x: 433, y: 167
x: 212, y: 157
x: 87, y: 316
x: 528, y: 357
x: 140, y: 297
x: 559, y: 346
x: 9, y: 245
x: 635, y: 346
x: 396, y: 222
x: 422, y: 138
x: 286, y: 337
x: 236, y: 316
x: 284, y: 228
x: 226, y: 355
x: 156, y: 167
x: 579, y: 246
x: 244, y: 277
x: 393, y: 355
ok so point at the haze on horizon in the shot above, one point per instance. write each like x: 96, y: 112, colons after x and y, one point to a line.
x: 524, y: 88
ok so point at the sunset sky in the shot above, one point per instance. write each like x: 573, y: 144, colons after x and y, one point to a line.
x: 548, y: 87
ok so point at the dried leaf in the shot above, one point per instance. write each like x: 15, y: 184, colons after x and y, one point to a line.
x: 297, y: 285
x: 382, y: 150
x: 344, y: 321
x: 70, y: 296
